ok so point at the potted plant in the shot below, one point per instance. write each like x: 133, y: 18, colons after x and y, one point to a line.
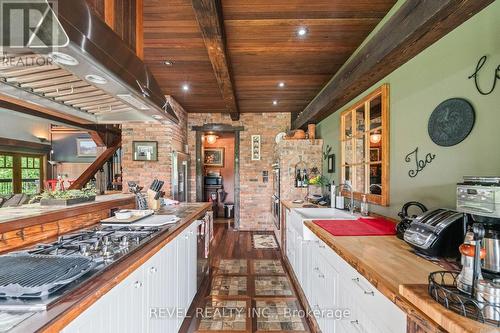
x: 66, y: 197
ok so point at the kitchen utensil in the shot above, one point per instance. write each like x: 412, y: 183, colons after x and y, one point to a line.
x: 466, y: 276
x: 406, y: 219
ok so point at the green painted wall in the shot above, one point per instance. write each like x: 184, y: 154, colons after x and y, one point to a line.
x: 416, y: 88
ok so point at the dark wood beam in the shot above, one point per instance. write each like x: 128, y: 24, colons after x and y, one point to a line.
x: 413, y: 28
x: 99, y: 162
x: 209, y: 16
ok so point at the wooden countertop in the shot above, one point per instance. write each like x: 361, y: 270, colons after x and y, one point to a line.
x: 418, y: 296
x: 75, y: 302
x: 31, y: 214
x: 390, y: 265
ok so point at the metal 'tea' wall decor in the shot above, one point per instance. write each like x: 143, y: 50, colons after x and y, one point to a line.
x: 419, y: 164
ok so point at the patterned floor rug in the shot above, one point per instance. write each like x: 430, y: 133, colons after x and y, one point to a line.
x: 263, y: 242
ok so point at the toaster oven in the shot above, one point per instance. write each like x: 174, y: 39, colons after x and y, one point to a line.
x: 437, y: 233
x: 479, y: 199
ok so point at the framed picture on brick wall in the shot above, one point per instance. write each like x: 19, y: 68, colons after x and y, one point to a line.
x: 213, y: 157
x: 255, y: 147
x: 145, y: 151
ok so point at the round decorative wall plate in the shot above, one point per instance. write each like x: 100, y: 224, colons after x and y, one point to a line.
x: 451, y: 122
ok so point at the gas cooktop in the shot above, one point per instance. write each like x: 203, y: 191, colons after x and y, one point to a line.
x: 64, y: 264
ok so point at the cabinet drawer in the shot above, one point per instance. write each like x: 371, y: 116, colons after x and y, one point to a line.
x: 375, y: 307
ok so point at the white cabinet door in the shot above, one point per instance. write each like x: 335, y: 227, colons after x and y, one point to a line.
x: 162, y: 290
x: 192, y: 261
x: 182, y: 273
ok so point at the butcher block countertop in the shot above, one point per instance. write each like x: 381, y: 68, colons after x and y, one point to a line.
x: 76, y: 301
x: 390, y: 265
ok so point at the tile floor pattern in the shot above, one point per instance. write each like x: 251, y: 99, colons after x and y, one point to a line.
x: 263, y: 242
x: 224, y: 315
x: 270, y: 267
x: 280, y: 315
x: 229, y: 286
x: 232, y: 266
x: 272, y: 286
x: 271, y: 313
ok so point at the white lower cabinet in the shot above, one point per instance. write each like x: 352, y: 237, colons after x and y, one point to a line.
x: 333, y: 288
x: 153, y: 298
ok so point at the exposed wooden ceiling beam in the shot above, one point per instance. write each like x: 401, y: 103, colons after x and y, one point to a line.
x: 413, y: 28
x: 209, y: 16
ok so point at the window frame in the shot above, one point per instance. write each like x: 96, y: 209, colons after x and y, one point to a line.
x: 378, y: 199
x: 17, y: 169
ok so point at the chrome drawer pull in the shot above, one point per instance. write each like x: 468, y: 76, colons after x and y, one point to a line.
x: 137, y: 284
x: 356, y: 281
x: 153, y: 269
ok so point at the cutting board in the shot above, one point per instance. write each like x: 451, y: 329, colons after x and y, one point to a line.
x: 151, y: 221
x: 136, y: 216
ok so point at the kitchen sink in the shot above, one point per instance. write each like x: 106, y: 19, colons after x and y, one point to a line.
x: 324, y: 214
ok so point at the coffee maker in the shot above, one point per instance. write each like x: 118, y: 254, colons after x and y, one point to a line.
x: 478, y: 198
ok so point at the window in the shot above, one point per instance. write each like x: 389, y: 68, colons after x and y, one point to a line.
x: 20, y: 173
x: 365, y: 147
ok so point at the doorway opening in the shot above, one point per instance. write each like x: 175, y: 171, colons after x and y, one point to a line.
x: 218, y: 171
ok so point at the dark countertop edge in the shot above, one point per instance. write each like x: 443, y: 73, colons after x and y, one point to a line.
x: 62, y: 213
x: 78, y: 300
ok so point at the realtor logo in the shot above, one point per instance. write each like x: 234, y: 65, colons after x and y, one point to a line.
x: 30, y: 24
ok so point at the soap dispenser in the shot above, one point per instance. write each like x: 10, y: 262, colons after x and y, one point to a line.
x: 364, y: 206
x: 333, y: 192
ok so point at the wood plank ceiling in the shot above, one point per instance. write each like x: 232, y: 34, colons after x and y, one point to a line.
x: 263, y: 46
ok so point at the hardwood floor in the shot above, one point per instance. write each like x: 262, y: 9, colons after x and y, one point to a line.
x: 249, y: 290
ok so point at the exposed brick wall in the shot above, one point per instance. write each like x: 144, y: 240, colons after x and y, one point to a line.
x: 290, y: 153
x: 170, y: 138
x: 255, y: 194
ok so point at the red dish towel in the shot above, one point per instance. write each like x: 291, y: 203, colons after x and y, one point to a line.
x: 359, y: 227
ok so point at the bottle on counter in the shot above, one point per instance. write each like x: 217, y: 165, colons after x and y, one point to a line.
x: 364, y: 206
x: 298, y: 179
x: 305, y: 179
x: 333, y: 191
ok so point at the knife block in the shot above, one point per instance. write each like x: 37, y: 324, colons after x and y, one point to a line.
x: 152, y: 202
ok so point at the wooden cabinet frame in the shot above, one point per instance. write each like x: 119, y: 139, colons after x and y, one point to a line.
x: 383, y: 198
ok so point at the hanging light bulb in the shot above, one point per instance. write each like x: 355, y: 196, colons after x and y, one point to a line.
x: 375, y: 138
x: 211, y: 138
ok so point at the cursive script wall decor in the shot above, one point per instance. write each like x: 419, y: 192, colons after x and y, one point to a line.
x: 496, y: 76
x: 419, y: 164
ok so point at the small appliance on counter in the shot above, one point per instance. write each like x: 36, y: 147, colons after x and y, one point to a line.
x: 405, y: 217
x: 436, y: 233
x: 474, y: 292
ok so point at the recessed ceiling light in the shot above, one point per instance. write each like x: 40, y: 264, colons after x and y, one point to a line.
x: 281, y: 84
x: 168, y: 62
x: 302, y: 31
x: 95, y: 79
x: 275, y: 102
x: 185, y: 87
x: 157, y: 116
x: 63, y: 58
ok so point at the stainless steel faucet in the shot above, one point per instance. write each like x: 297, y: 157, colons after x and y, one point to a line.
x: 349, y: 187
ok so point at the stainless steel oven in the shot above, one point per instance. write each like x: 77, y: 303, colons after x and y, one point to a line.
x: 275, y: 199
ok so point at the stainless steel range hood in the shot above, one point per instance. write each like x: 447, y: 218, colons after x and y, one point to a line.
x: 91, y: 73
